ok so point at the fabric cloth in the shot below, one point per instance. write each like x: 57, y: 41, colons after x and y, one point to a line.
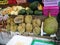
x: 4, y: 37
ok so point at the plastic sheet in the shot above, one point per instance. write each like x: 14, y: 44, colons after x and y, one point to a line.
x: 4, y: 37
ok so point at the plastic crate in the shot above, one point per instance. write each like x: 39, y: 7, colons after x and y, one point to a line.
x: 53, y: 10
x: 50, y: 2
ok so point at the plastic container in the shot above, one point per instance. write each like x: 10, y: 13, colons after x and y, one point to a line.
x: 50, y: 2
x: 50, y: 6
x: 53, y: 10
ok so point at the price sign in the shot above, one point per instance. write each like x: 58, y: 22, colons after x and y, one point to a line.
x: 42, y: 42
x: 21, y: 1
x: 3, y: 1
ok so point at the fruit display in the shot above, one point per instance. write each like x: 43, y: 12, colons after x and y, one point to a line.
x: 24, y: 23
x: 20, y: 10
x: 11, y: 10
x: 27, y: 20
x: 31, y: 19
x: 50, y: 25
x: 20, y: 18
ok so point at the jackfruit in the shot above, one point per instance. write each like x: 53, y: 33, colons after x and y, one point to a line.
x: 50, y: 25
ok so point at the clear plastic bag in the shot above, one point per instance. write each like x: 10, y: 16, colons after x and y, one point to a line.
x: 5, y: 37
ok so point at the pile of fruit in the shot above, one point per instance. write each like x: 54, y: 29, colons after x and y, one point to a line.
x: 24, y: 19
x: 34, y: 8
x: 21, y: 23
x: 32, y: 24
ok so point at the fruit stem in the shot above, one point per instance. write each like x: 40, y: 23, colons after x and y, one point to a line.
x: 49, y: 15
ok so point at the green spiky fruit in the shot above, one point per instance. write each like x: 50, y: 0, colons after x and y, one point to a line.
x: 50, y: 25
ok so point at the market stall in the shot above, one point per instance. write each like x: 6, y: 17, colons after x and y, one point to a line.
x: 33, y: 21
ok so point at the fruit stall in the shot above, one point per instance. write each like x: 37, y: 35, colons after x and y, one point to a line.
x: 29, y: 22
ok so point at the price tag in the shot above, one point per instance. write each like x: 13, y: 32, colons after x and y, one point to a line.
x: 3, y: 1
x: 42, y: 42
x: 21, y: 1
x: 50, y: 2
